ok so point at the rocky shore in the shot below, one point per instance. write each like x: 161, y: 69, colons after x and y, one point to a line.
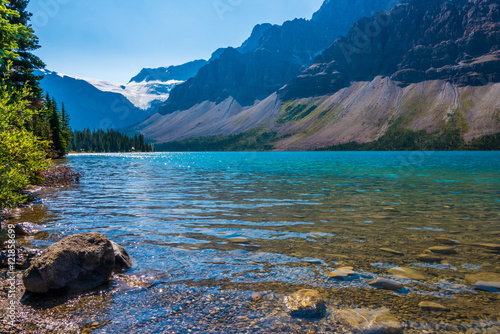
x: 71, y: 266
x: 15, y: 260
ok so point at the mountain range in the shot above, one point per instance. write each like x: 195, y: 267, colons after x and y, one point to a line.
x: 358, y: 71
x: 98, y: 104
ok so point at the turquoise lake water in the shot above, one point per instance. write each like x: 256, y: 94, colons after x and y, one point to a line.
x: 218, y: 239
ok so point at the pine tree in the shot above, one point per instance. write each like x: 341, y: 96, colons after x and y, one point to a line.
x: 65, y: 127
x: 106, y: 141
x: 9, y: 38
x: 26, y: 62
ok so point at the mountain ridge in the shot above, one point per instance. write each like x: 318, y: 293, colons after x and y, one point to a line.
x: 99, y: 104
x: 429, y: 66
x: 281, y: 53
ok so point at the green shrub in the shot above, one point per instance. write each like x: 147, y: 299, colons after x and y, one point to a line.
x: 22, y: 154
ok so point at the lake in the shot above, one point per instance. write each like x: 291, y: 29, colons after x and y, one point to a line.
x: 218, y: 240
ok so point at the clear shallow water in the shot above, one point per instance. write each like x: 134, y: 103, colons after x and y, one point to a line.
x: 207, y: 230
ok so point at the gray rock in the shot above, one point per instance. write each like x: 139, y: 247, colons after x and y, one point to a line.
x: 26, y: 229
x: 76, y: 263
x: 122, y: 259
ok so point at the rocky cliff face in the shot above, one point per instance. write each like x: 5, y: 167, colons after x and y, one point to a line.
x: 420, y: 40
x: 271, y: 57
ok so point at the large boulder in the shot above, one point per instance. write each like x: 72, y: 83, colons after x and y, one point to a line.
x: 76, y: 263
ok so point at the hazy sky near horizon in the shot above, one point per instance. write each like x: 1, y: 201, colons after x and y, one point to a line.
x: 113, y: 40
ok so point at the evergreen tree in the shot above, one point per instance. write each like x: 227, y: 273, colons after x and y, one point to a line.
x: 26, y: 125
x: 10, y: 36
x: 99, y: 141
x: 65, y: 127
x: 26, y: 62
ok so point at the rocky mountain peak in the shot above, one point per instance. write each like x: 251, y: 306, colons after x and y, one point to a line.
x: 271, y: 57
x: 457, y: 41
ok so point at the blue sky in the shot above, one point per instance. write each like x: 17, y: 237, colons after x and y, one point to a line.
x: 114, y: 39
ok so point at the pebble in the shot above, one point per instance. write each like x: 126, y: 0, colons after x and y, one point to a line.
x: 495, y: 247
x: 446, y: 241
x: 342, y: 274
x: 239, y: 240
x: 443, y: 250
x: 392, y: 251
x: 407, y: 272
x: 386, y: 284
x: 485, y: 281
x: 256, y: 296
x: 429, y: 258
x: 431, y: 306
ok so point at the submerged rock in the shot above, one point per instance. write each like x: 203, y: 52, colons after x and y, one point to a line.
x: 446, y: 241
x: 407, y: 272
x: 342, y: 274
x: 493, y: 247
x: 392, y: 251
x: 430, y: 306
x: 76, y: 263
x: 443, y: 250
x: 26, y: 229
x: 368, y: 320
x: 306, y: 303
x: 429, y: 258
x: 386, y: 284
x: 485, y: 281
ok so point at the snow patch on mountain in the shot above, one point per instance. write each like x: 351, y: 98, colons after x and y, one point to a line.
x: 140, y: 94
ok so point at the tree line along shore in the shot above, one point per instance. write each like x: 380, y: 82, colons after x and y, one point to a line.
x: 34, y: 127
